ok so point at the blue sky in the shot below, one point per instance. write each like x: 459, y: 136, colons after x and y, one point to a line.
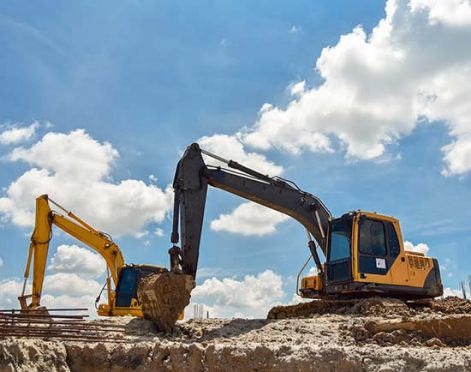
x: 150, y: 77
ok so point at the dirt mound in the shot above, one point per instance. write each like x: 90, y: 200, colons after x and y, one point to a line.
x: 318, y: 343
x: 451, y: 305
x: 363, y: 307
x: 453, y: 330
x: 163, y: 298
x: 371, y: 306
x: 432, y: 323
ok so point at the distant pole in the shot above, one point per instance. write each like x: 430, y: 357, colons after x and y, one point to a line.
x: 463, y: 289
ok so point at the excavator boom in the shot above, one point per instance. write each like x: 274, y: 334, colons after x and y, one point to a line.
x: 191, y: 182
x: 74, y: 226
x: 167, y: 294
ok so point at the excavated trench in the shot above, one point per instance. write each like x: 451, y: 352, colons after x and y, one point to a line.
x: 339, y: 340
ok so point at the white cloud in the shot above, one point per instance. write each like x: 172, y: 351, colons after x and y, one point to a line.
x: 251, y: 297
x: 159, y: 232
x: 72, y: 259
x: 312, y: 271
x: 70, y: 302
x: 294, y: 29
x: 10, y: 289
x: 231, y: 148
x: 70, y: 284
x: 153, y: 178
x: 17, y: 134
x: 457, y: 156
x: 206, y: 272
x: 448, y: 267
x: 1, y: 262
x: 377, y: 87
x: 249, y: 219
x: 447, y: 292
x: 75, y: 154
x: 419, y: 248
x: 297, y: 89
x: 75, y: 170
x: 455, y: 13
x: 141, y: 234
x: 295, y: 299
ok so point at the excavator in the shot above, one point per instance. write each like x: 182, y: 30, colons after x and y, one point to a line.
x: 122, y: 279
x: 364, y: 251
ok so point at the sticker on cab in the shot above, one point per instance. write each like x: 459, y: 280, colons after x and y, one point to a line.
x: 380, y: 263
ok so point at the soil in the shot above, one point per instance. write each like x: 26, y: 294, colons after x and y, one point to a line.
x: 336, y: 340
x: 163, y: 298
x: 373, y: 306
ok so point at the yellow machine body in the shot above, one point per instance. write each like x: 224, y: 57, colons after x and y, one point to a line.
x: 118, y: 291
x: 395, y: 272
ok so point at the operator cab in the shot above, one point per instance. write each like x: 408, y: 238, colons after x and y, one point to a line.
x: 360, y: 245
x: 129, y: 278
x: 370, y: 238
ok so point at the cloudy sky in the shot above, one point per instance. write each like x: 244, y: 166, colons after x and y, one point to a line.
x: 364, y: 104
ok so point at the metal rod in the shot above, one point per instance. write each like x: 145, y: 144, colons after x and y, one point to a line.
x: 57, y: 205
x: 57, y: 330
x: 70, y: 337
x: 299, y: 274
x: 52, y: 329
x: 319, y: 223
x: 46, y: 316
x: 19, y: 322
x: 32, y: 310
x: 214, y: 156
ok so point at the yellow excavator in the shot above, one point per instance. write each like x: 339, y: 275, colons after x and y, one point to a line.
x: 122, y: 279
x: 364, y: 251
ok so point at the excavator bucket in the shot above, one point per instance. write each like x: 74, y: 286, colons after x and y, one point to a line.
x: 164, y: 296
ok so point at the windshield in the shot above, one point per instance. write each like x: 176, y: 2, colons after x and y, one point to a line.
x: 339, y: 242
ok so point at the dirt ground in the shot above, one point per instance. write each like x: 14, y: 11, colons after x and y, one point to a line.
x: 337, y: 340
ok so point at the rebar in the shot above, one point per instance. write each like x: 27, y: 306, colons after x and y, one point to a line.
x: 15, y: 323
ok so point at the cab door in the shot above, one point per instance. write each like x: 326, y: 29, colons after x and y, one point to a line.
x: 374, y: 261
x: 126, y: 289
x: 339, y: 257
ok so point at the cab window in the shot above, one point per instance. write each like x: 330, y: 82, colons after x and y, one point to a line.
x: 394, y: 246
x: 340, y: 233
x: 372, y: 239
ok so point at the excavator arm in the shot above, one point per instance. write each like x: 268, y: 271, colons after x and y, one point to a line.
x: 74, y: 226
x: 191, y: 182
